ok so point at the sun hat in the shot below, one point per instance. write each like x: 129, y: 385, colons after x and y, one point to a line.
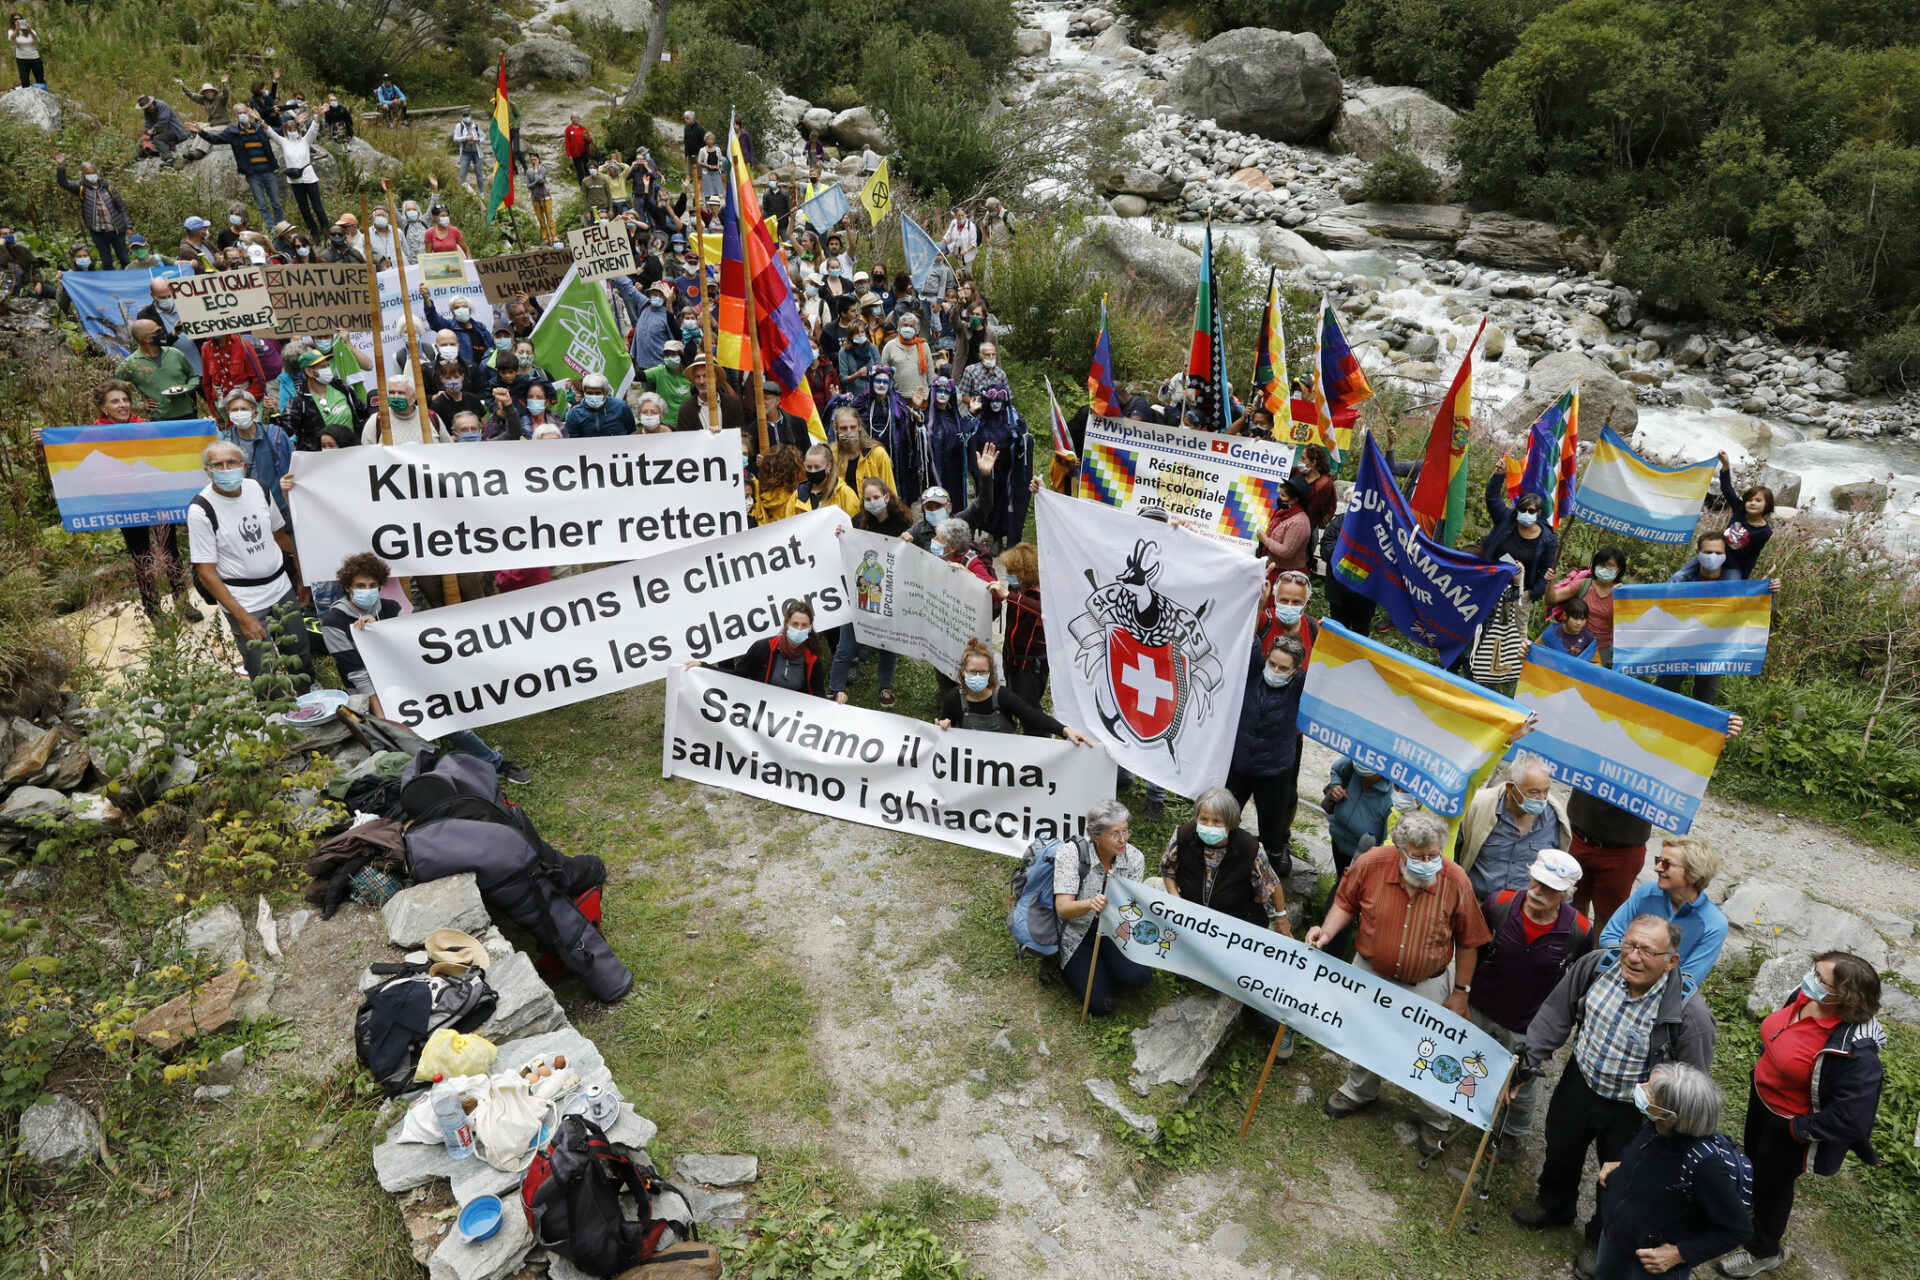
x: 451, y: 946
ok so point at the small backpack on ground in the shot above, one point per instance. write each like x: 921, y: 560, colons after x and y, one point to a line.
x: 1034, y: 923
x: 571, y: 1196
x: 394, y: 1020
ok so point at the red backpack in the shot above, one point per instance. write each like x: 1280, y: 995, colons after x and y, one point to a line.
x: 571, y: 1195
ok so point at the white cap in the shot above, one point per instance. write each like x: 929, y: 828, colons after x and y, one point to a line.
x: 1556, y: 869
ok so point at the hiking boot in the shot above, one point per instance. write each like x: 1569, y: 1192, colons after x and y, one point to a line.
x: 1741, y: 1263
x: 1432, y: 1138
x: 1586, y: 1264
x: 886, y: 697
x: 1507, y: 1150
x: 511, y: 772
x: 1535, y: 1218
x: 1340, y: 1106
x: 187, y: 611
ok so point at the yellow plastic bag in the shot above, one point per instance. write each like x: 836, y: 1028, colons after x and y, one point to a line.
x: 451, y: 1053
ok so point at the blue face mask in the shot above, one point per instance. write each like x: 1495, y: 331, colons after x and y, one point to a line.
x: 1646, y: 1106
x: 1418, y: 871
x: 798, y: 635
x: 1535, y: 805
x: 503, y: 344
x: 227, y: 479
x: 977, y: 684
x: 1275, y: 679
x: 1289, y: 614
x: 366, y: 599
x: 1013, y: 580
x: 468, y: 437
x: 323, y: 344
x: 1816, y: 990
x: 594, y: 401
x: 1211, y: 835
x: 1527, y: 519
x: 935, y: 515
x: 656, y: 302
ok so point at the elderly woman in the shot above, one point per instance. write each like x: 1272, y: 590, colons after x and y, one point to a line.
x: 1682, y: 870
x: 1814, y: 1097
x: 979, y: 703
x: 1673, y: 1198
x: 652, y: 413
x: 1079, y: 898
x: 1266, y: 746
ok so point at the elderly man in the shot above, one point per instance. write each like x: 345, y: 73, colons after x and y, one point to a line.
x: 1537, y: 935
x: 474, y: 338
x: 983, y: 373
x: 1508, y: 824
x: 102, y: 212
x: 404, y: 416
x: 693, y: 411
x: 246, y: 564
x: 599, y: 413
x: 166, y: 382
x: 1418, y: 919
x: 164, y: 311
x: 1683, y: 869
x: 1626, y: 1015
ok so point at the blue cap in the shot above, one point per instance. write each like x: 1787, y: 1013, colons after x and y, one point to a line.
x: 197, y: 224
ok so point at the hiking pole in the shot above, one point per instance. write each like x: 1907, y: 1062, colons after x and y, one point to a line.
x: 1498, y: 1133
x: 1273, y: 1052
x: 1481, y: 1154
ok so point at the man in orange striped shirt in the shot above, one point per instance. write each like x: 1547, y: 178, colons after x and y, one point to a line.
x: 1420, y: 928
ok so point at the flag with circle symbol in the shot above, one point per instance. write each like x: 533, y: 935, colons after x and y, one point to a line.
x: 877, y: 196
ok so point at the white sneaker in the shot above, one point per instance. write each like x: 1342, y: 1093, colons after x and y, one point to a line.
x: 1740, y: 1263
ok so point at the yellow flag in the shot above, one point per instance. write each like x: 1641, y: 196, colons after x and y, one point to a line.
x: 877, y: 195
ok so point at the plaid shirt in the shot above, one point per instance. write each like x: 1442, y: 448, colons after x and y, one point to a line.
x: 1264, y: 881
x: 1615, y: 1037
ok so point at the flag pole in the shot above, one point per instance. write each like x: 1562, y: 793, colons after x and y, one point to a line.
x: 449, y: 583
x: 753, y: 343
x: 712, y: 353
x: 1273, y: 1051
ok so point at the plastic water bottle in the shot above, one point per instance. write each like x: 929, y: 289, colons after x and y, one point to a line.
x: 453, y: 1118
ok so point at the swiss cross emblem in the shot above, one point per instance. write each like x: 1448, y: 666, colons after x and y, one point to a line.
x: 1146, y: 682
x: 1219, y: 446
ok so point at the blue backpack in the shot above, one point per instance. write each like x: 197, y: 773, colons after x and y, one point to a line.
x: 1033, y: 922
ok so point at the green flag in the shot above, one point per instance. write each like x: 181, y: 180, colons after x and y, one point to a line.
x: 578, y: 335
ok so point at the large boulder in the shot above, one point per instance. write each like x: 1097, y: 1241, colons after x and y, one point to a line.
x: 36, y: 107
x: 1868, y: 497
x: 1383, y: 118
x: 1785, y: 485
x: 1425, y: 228
x: 1162, y: 267
x: 1525, y: 244
x: 816, y: 120
x: 855, y: 128
x: 1137, y: 180
x: 1278, y: 84
x: 1602, y: 393
x: 626, y: 15
x: 58, y: 1133
x: 365, y: 157
x: 544, y: 58
x: 1031, y: 42
x: 1284, y: 248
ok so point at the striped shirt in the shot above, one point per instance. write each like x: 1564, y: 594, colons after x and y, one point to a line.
x: 1616, y: 1036
x: 1409, y: 935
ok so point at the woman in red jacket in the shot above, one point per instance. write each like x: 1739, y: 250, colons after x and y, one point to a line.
x: 113, y: 402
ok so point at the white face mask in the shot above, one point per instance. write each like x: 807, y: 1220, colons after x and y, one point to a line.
x: 445, y: 221
x: 449, y: 353
x: 649, y: 419
x: 241, y: 418
x: 380, y: 222
x: 463, y: 313
x: 321, y: 374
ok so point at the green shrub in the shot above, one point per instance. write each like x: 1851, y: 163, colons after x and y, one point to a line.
x: 709, y: 73
x: 1400, y: 177
x: 1893, y: 357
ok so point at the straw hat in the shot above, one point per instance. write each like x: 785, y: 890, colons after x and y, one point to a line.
x: 452, y: 947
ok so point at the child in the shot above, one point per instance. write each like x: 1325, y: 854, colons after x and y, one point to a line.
x: 1570, y: 635
x: 1750, y: 524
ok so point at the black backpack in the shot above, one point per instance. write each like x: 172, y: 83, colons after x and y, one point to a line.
x: 396, y: 1017
x: 213, y: 525
x: 571, y: 1196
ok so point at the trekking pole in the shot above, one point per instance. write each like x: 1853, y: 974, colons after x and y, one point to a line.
x: 1481, y: 1154
x: 1498, y: 1133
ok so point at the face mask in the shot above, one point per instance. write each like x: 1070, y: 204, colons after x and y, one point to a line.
x: 816, y: 478
x: 321, y: 373
x: 538, y: 407
x: 672, y: 362
x: 140, y: 255
x: 798, y: 635
x: 1646, y: 1106
x: 83, y: 262
x: 448, y: 353
x: 303, y: 251
x: 1210, y: 835
x: 503, y: 344
x: 445, y: 221
x: 1535, y: 805
x: 908, y: 333
x: 397, y: 403
x: 876, y: 507
x: 380, y: 222
x: 366, y: 599
x: 976, y: 322
x: 453, y: 385
x: 656, y: 302
x: 411, y: 215
x: 1712, y: 559
x: 1816, y: 990
x: 976, y: 683
x: 990, y: 362
x: 1527, y: 519
x: 1605, y: 575
x: 167, y: 304
x: 92, y: 179
x: 1418, y: 871
x: 1275, y: 679
x: 1289, y: 614
x: 338, y: 240
x: 241, y: 418
x: 594, y: 400
x: 934, y: 515
x: 234, y: 219
x: 463, y: 313
x: 333, y: 102
x: 468, y: 437
x: 323, y: 344
x: 227, y: 479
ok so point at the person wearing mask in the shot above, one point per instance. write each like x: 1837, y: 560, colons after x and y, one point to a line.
x: 1682, y: 870
x: 857, y: 357
x: 237, y: 539
x: 1627, y: 1014
x: 1082, y: 867
x: 455, y: 395
x: 230, y: 235
x: 978, y: 702
x: 693, y: 411
x: 667, y: 381
x: 29, y: 60
x: 652, y: 327
x: 196, y: 247
x: 598, y: 413
x: 541, y: 194
x: 265, y: 448
x: 164, y: 310
x: 404, y: 417
x: 467, y: 429
x: 1283, y: 610
x: 471, y: 338
x: 1425, y: 945
x: 651, y: 413
x: 516, y: 378
x: 152, y: 548
x: 821, y: 486
x: 167, y: 385
x: 776, y: 203
x: 391, y: 102
x: 962, y: 238
x: 908, y: 354
x: 838, y: 262
x: 253, y: 159
x: 102, y: 212
x: 338, y: 119
x: 936, y: 506
x: 1508, y: 823
x: 1024, y: 655
x: 597, y: 191
x: 469, y: 140
x: 1357, y: 804
x: 1537, y: 934
x: 1321, y: 496
x: 413, y: 231
x: 1287, y: 540
x: 320, y: 402
x: 340, y: 242
x: 162, y: 126
x: 983, y: 374
x: 1266, y: 745
x: 1521, y: 535
x: 795, y: 658
x: 231, y: 363
x: 857, y: 456
x: 442, y: 236
x: 1593, y: 587
x: 1712, y: 562
x: 1814, y: 1096
x: 383, y: 242
x: 263, y: 99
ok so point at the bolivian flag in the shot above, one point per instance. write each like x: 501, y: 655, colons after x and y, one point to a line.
x: 500, y: 133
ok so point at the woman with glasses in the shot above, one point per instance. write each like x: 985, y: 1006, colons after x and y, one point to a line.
x: 1683, y: 869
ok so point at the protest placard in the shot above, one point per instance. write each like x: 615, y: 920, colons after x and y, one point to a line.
x: 115, y: 475
x: 228, y: 302
x: 393, y: 337
x: 443, y: 268
x: 427, y: 509
x: 602, y: 251
x: 317, y: 297
x: 533, y: 274
x: 1423, y: 1047
x: 913, y: 602
x: 1230, y: 483
x: 993, y: 791
x: 576, y: 638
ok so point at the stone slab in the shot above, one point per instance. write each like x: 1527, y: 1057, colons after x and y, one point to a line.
x: 1180, y: 1041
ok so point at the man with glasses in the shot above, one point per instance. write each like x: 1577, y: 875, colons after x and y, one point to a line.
x: 1509, y: 824
x: 1682, y: 871
x: 1625, y: 1016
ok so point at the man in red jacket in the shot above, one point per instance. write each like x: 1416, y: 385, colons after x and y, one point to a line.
x: 578, y: 142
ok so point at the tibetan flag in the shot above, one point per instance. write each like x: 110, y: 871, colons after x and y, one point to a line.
x: 1691, y: 628
x: 1440, y: 497
x: 922, y: 251
x: 1636, y: 746
x: 1338, y: 386
x: 825, y: 207
x: 1625, y: 493
x: 1062, y: 438
x: 1393, y: 714
x: 1553, y: 444
x: 1208, y: 406
x: 730, y: 337
x: 500, y: 134
x: 1102, y: 399
x: 877, y: 196
x: 1270, y: 358
x: 785, y: 349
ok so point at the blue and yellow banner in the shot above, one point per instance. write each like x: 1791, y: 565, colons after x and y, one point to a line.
x: 116, y: 475
x: 1426, y: 729
x: 1692, y: 628
x: 1637, y: 747
x: 1625, y: 493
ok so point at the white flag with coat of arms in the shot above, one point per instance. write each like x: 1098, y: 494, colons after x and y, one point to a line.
x: 1149, y: 638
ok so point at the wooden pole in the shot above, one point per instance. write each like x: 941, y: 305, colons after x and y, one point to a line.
x: 1086, y: 1001
x: 379, y: 396
x: 449, y: 583
x: 753, y: 350
x: 1273, y: 1052
x: 1479, y: 1155
x: 711, y: 353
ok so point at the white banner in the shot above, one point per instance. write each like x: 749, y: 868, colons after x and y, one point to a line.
x: 516, y: 504
x: 393, y: 338
x: 1149, y: 630
x: 1227, y: 484
x: 913, y: 602
x: 992, y: 791
x: 576, y: 638
x: 229, y: 302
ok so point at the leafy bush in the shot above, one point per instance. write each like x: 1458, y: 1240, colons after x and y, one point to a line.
x: 930, y: 93
x: 1893, y: 357
x: 825, y: 1242
x: 709, y: 73
x: 1441, y: 46
x: 1400, y: 177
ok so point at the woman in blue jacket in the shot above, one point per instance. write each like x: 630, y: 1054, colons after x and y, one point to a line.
x: 1265, y: 747
x: 1521, y: 532
x: 1357, y: 805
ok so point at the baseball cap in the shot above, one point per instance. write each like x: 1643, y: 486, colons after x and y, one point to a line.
x: 196, y: 223
x: 859, y: 276
x: 346, y: 220
x: 1556, y: 869
x: 935, y: 493
x: 136, y: 238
